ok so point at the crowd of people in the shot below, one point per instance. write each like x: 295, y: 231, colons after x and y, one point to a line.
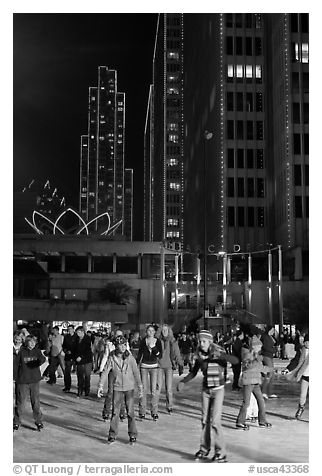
x: 147, y: 363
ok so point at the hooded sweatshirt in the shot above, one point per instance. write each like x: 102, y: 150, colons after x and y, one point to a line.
x: 170, y: 350
x: 29, y: 361
x: 125, y: 372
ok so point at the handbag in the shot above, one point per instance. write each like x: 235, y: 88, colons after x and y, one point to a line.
x: 291, y: 376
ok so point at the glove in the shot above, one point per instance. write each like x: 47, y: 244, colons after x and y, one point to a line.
x: 99, y: 392
x: 180, y: 370
x: 180, y: 386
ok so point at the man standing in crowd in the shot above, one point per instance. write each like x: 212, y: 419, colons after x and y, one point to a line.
x: 236, y: 351
x: 69, y: 347
x: 56, y: 354
x: 84, y: 361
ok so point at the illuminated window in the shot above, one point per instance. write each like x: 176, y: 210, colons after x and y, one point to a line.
x: 258, y: 71
x: 305, y: 52
x: 173, y: 138
x: 173, y: 234
x: 172, y: 90
x: 173, y: 55
x: 173, y: 126
x: 230, y: 71
x: 101, y: 183
x: 172, y: 161
x: 172, y: 78
x: 173, y: 222
x: 174, y: 186
x: 102, y: 137
x: 249, y: 71
x: 239, y: 71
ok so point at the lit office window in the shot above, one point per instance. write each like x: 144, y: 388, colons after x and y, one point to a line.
x: 258, y: 71
x: 173, y: 126
x: 305, y: 52
x: 173, y: 90
x: 230, y: 71
x: 239, y: 71
x: 173, y: 234
x: 174, y: 186
x: 172, y: 162
x: 249, y: 71
x: 173, y: 222
x: 173, y: 55
x: 174, y: 138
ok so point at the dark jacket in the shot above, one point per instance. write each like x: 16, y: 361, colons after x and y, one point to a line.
x: 269, y: 346
x: 69, y: 346
x: 83, y: 349
x: 149, y: 356
x: 29, y: 361
x: 237, y: 348
x: 202, y: 363
x: 15, y: 362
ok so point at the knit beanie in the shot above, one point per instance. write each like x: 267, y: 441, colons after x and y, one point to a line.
x: 204, y: 334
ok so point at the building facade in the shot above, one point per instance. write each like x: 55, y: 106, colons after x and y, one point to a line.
x: 163, y: 169
x: 102, y: 154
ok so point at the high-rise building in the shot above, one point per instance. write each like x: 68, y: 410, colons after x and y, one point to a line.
x: 163, y: 170
x: 246, y: 133
x: 102, y: 154
x: 128, y: 203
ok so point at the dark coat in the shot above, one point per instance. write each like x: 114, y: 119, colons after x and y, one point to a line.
x: 69, y: 346
x: 269, y: 346
x: 83, y: 349
x: 149, y: 357
x: 29, y: 361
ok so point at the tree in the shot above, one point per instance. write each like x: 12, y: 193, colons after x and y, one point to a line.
x: 116, y: 292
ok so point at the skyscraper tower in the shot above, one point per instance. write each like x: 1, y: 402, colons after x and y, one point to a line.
x: 102, y: 154
x: 246, y: 77
x: 163, y: 170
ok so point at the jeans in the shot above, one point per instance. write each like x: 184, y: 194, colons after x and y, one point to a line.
x: 67, y: 374
x: 54, y: 362
x: 212, y: 403
x: 304, y: 390
x: 147, y: 374
x: 118, y: 398
x: 236, y: 371
x: 22, y: 394
x: 247, y: 391
x: 84, y: 377
x: 267, y: 385
x: 109, y: 398
x: 168, y: 378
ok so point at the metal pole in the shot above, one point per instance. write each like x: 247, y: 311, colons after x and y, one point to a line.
x: 280, y: 290
x: 249, y: 282
x: 176, y: 265
x: 270, y: 304
x: 198, y: 285
x: 162, y: 281
x: 205, y: 273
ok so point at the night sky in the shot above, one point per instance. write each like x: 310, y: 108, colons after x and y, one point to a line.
x: 56, y: 59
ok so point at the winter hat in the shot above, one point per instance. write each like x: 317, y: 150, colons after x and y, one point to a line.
x: 120, y: 340
x: 255, y: 341
x: 204, y: 334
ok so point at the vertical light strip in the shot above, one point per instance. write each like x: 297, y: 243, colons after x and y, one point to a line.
x: 182, y: 138
x: 287, y: 130
x: 222, y: 208
x: 164, y: 124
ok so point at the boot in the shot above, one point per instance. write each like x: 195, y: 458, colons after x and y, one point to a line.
x: 299, y: 412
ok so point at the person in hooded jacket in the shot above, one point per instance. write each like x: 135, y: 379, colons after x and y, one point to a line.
x: 30, y: 358
x: 122, y: 365
x: 84, y: 361
x: 171, y: 357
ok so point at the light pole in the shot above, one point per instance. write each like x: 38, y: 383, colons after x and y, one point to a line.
x: 207, y: 136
